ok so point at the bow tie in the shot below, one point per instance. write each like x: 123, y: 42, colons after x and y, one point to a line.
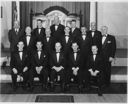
x: 74, y: 52
x: 28, y: 35
x: 20, y: 51
x: 57, y: 52
x: 104, y: 36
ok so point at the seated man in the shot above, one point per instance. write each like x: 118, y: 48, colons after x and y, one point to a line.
x: 57, y: 63
x: 74, y: 65
x: 39, y: 63
x: 19, y: 65
x: 95, y: 68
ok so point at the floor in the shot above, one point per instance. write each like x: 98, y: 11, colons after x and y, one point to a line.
x: 78, y: 98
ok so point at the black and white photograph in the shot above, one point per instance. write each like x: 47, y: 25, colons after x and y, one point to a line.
x: 63, y: 51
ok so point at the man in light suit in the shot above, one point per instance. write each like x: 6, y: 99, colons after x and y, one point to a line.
x: 108, y: 51
x: 57, y: 29
x: 57, y: 64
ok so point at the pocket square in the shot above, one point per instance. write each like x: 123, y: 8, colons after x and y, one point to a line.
x: 109, y: 42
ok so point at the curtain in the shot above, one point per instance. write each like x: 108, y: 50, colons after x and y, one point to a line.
x: 39, y: 7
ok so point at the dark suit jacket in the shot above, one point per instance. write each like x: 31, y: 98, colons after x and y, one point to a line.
x: 57, y: 34
x: 18, y: 63
x: 97, y: 39
x: 98, y: 64
x: 39, y: 62
x: 66, y: 46
x: 109, y: 47
x: 75, y: 34
x: 72, y: 62
x: 53, y: 60
x: 49, y: 45
x: 14, y: 38
x: 37, y: 35
x: 32, y: 43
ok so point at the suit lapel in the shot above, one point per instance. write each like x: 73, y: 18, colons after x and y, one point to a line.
x: 105, y: 42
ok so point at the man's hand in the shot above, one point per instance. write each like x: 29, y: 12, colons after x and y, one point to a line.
x: 25, y: 69
x: 111, y: 59
x: 14, y: 70
x: 38, y: 69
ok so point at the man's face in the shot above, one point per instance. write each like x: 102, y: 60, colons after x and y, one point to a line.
x: 39, y: 45
x: 56, y: 20
x: 73, y: 24
x: 83, y: 30
x: 67, y: 30
x: 39, y: 24
x: 93, y: 26
x: 20, y: 46
x: 48, y: 32
x: 16, y: 24
x: 28, y: 30
x: 94, y: 50
x: 104, y: 30
x: 75, y: 47
x: 58, y: 47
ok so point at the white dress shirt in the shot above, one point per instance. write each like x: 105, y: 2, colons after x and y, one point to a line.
x: 66, y: 37
x: 39, y: 31
x: 57, y: 55
x: 92, y: 33
x: 94, y: 57
x: 75, y: 55
x: 56, y: 27
x: 83, y: 36
x: 47, y: 39
x: 103, y: 39
x: 28, y: 40
x: 39, y: 54
x: 21, y: 54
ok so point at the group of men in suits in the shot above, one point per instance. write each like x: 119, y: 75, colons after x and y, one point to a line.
x: 72, y: 53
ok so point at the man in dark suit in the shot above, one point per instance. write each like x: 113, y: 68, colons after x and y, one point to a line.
x: 95, y: 68
x: 85, y: 47
x: 48, y: 42
x: 66, y: 41
x: 14, y: 36
x: 57, y: 29
x: 108, y: 51
x: 39, y: 32
x: 96, y: 36
x: 19, y: 65
x: 39, y: 65
x: 57, y: 65
x: 74, y: 66
x: 29, y: 40
x: 75, y: 32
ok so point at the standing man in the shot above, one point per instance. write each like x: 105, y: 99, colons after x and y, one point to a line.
x: 108, y: 51
x: 85, y: 47
x: 39, y: 65
x: 58, y: 65
x: 14, y: 36
x: 19, y: 65
x: 57, y: 29
x: 39, y: 32
x: 95, y: 36
x: 75, y: 32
